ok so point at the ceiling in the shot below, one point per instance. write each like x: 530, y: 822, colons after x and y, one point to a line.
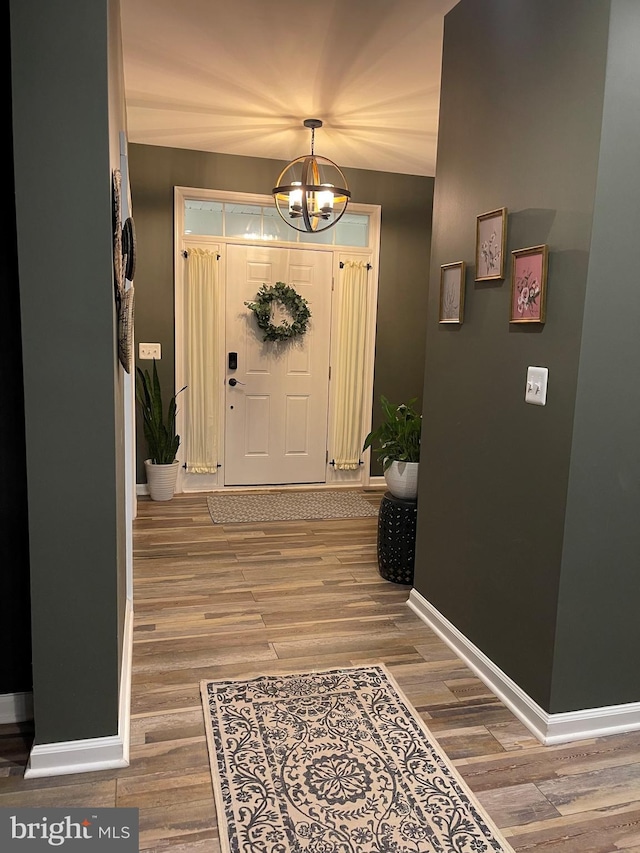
x: 240, y: 77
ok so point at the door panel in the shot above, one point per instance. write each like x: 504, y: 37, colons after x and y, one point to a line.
x: 296, y: 429
x: 276, y: 416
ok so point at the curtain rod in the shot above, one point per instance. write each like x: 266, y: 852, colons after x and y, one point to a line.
x: 185, y: 254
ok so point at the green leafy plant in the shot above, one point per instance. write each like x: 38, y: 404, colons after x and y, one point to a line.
x: 159, y: 431
x: 398, y: 436
x: 296, y: 305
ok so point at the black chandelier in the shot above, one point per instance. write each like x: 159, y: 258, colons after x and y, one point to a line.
x: 311, y: 193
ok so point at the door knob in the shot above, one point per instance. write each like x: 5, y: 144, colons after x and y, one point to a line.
x: 233, y: 381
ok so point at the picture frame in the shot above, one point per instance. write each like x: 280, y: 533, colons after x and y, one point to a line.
x: 452, y: 287
x: 491, y: 244
x: 529, y: 284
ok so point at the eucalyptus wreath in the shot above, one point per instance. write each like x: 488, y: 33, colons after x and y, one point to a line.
x: 297, y: 307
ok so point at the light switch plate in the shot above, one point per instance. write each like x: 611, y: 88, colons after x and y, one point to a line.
x: 536, y: 390
x: 149, y: 351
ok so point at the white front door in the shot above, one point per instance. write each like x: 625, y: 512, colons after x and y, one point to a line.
x: 276, y: 414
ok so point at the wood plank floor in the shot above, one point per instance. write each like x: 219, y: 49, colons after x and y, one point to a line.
x: 240, y: 599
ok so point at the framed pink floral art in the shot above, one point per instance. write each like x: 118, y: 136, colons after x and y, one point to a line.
x: 529, y: 284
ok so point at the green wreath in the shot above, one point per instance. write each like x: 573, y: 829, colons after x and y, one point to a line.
x: 292, y: 301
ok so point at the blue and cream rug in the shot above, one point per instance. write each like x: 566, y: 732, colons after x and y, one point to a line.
x: 335, y: 761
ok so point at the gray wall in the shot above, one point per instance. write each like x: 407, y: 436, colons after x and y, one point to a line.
x: 65, y: 146
x: 521, y: 115
x: 598, y: 622
x: 404, y: 254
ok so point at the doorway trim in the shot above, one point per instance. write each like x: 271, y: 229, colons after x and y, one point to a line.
x: 341, y: 253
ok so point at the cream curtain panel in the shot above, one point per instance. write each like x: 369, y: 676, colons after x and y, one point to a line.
x: 352, y: 329
x: 201, y: 396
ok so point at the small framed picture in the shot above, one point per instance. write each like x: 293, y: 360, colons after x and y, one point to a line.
x: 491, y: 241
x: 452, y: 292
x: 529, y: 284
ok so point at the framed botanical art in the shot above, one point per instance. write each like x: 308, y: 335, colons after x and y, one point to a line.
x: 491, y: 241
x: 452, y: 292
x: 529, y: 284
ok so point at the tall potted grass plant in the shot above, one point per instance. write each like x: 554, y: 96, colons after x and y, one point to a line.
x: 159, y: 429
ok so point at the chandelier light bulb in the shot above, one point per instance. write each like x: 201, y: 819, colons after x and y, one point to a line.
x: 325, y: 201
x: 295, y: 200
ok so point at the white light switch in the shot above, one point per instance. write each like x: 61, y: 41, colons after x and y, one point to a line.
x: 536, y: 391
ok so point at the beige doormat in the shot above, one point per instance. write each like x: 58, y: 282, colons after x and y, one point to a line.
x: 335, y: 761
x: 288, y: 506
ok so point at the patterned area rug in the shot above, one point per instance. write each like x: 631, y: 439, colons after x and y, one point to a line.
x: 335, y: 761
x: 288, y: 506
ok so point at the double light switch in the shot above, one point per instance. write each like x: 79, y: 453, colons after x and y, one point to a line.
x: 536, y: 391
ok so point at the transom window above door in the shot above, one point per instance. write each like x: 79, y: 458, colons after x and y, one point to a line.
x: 256, y: 222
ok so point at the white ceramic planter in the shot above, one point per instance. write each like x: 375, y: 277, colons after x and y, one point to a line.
x: 402, y: 479
x: 161, y: 479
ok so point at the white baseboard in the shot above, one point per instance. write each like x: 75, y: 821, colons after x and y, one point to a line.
x: 76, y: 756
x: 376, y: 483
x: 547, y: 728
x: 91, y: 754
x: 16, y: 707
x: 334, y: 485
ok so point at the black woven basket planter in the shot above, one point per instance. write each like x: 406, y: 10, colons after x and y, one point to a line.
x: 397, y: 538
